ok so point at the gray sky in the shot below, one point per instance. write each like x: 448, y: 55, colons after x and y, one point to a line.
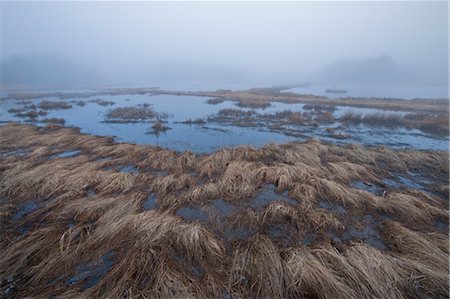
x: 147, y: 43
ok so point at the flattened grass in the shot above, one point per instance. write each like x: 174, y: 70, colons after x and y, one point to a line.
x: 297, y: 248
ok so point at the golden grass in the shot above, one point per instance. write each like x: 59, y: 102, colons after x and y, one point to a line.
x: 88, y: 234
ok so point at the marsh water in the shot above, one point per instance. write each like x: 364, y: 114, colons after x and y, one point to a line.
x: 208, y: 137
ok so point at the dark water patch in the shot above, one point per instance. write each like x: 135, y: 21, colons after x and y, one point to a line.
x: 391, y: 183
x: 368, y: 234
x: 308, y: 239
x: 268, y: 194
x: 129, y: 169
x: 66, y: 154
x: 160, y: 173
x: 105, y: 159
x: 72, y: 223
x: 193, y: 213
x: 92, y: 273
x: 90, y: 192
x: 441, y: 226
x: 282, y: 233
x: 222, y: 208
x: 410, y: 182
x: 8, y: 287
x: 369, y: 187
x: 150, y: 202
x: 332, y: 207
x: 241, y: 232
x: 195, y: 268
x: 24, y: 210
x: 21, y: 152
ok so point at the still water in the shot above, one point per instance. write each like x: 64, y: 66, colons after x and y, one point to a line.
x: 209, y: 137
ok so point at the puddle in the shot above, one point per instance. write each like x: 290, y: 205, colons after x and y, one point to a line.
x: 223, y: 208
x: 90, y: 192
x: 268, y: 194
x: 391, y: 183
x: 150, y: 202
x: 105, y: 159
x: 238, y: 233
x: 332, y: 207
x: 17, y: 152
x: 92, y: 272
x: 410, y: 182
x: 66, y: 154
x: 72, y: 223
x: 195, y: 268
x: 441, y: 226
x: 369, y: 187
x: 192, y: 213
x: 281, y: 233
x: 219, y: 206
x: 129, y: 169
x: 24, y: 210
x: 160, y: 173
x: 308, y: 239
x: 368, y: 234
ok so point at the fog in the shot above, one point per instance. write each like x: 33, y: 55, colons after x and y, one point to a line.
x: 217, y: 44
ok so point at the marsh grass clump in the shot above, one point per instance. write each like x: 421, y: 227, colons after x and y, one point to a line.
x: 133, y: 114
x: 215, y: 101
x: 32, y: 115
x: 435, y: 124
x: 386, y: 119
x: 54, y: 120
x: 281, y: 221
x: 254, y: 105
x: 54, y: 105
x: 197, y: 121
x: 158, y: 127
x: 16, y: 110
x: 252, y: 118
x: 328, y: 108
x: 102, y: 102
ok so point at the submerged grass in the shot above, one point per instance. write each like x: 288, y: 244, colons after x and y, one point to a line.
x: 142, y: 112
x: 54, y: 105
x: 77, y: 227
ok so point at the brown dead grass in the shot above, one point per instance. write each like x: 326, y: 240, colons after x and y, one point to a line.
x: 155, y: 253
x: 435, y: 124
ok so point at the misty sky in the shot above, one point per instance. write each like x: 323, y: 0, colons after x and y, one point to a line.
x: 146, y: 43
